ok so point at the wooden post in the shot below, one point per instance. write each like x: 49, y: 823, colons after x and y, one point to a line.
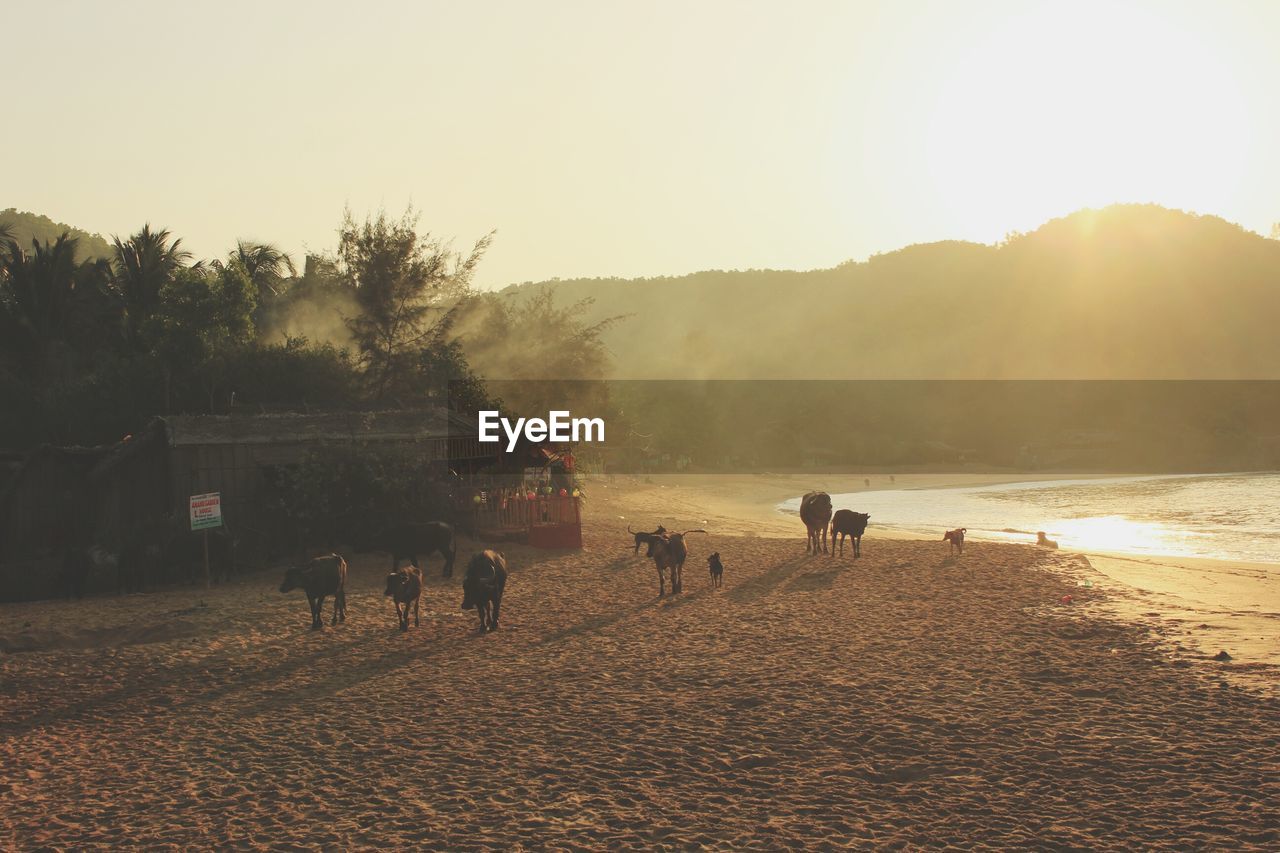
x: 206, y: 559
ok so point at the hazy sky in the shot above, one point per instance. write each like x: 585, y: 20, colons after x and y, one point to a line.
x: 604, y: 138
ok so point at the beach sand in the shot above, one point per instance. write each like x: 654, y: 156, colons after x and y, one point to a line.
x: 1197, y: 606
x: 906, y: 698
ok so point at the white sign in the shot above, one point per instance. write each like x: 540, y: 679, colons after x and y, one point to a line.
x: 206, y: 511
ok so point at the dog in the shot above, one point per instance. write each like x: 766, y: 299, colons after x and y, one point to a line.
x: 642, y: 538
x: 956, y: 538
x: 1045, y: 541
x: 717, y: 569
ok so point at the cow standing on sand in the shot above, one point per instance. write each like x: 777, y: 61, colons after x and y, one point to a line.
x: 322, y: 577
x: 413, y: 539
x: 815, y: 512
x: 483, y: 585
x: 404, y: 588
x: 846, y: 522
x: 669, y: 553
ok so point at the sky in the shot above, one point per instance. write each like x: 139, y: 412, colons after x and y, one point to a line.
x: 637, y: 139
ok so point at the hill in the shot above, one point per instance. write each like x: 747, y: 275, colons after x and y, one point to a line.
x: 27, y: 226
x: 1129, y: 291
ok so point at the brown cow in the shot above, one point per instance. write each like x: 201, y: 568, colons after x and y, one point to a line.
x: 815, y: 512
x: 404, y: 588
x: 483, y: 585
x: 319, y: 578
x: 669, y: 553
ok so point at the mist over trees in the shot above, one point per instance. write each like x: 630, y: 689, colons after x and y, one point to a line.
x: 94, y: 343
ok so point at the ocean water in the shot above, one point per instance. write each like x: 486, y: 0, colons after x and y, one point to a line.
x: 1219, y: 516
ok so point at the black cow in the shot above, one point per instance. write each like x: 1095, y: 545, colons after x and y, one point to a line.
x: 413, y: 539
x: 323, y: 576
x: 815, y: 512
x: 80, y: 567
x: 404, y: 588
x: 482, y: 587
x: 642, y: 537
x: 846, y: 522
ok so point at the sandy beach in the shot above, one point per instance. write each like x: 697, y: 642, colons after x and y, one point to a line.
x: 1198, y: 606
x: 906, y: 698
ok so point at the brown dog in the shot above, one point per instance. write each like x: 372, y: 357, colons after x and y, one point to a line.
x: 956, y: 538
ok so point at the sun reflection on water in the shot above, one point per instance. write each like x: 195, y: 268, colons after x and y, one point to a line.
x: 1117, y: 533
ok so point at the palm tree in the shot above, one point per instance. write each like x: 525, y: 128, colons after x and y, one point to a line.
x: 142, y: 266
x: 266, y: 266
x: 36, y: 292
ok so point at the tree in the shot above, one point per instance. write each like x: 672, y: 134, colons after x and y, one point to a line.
x: 36, y: 292
x: 204, y: 317
x: 270, y: 270
x: 403, y: 284
x: 537, y: 355
x: 266, y: 266
x: 142, y: 266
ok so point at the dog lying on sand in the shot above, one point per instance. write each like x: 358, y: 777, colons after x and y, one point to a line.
x: 1045, y: 541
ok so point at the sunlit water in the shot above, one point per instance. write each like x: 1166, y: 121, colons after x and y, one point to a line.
x: 1220, y: 516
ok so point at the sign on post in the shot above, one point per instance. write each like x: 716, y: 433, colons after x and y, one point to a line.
x: 206, y: 511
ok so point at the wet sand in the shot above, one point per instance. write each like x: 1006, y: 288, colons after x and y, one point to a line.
x: 906, y: 698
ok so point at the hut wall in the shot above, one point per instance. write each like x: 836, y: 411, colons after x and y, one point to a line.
x: 48, y: 507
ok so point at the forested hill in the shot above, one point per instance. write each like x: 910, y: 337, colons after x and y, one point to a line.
x: 27, y: 226
x: 1129, y: 291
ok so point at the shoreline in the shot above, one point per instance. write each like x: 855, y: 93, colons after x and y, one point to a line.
x: 1196, y: 605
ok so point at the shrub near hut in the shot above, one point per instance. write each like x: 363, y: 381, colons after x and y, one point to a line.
x: 337, y: 495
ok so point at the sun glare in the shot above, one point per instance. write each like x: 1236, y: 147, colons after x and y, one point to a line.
x: 1060, y: 108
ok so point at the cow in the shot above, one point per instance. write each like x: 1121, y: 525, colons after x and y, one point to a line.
x: 81, y: 566
x: 321, y: 577
x: 717, y: 569
x: 844, y: 523
x: 404, y: 588
x: 669, y: 553
x: 642, y: 537
x: 956, y: 538
x: 412, y: 539
x: 815, y: 512
x: 482, y: 587
x: 141, y: 560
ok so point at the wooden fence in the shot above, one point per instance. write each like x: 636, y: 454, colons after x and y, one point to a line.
x: 544, y: 521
